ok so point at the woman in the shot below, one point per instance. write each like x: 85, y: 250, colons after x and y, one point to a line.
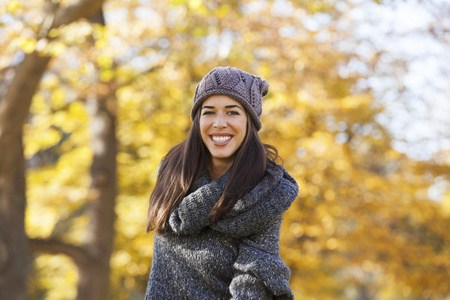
x: 219, y: 199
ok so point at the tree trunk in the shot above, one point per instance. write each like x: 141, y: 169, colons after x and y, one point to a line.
x: 94, y: 276
x: 12, y: 235
x: 14, y: 109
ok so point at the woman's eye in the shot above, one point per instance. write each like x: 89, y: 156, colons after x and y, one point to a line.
x: 207, y: 113
x: 234, y: 113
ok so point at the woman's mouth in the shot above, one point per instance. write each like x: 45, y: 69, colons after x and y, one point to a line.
x: 220, y: 140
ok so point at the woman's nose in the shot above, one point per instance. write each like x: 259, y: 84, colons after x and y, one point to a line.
x: 220, y: 121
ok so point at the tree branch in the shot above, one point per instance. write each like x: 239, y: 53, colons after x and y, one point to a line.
x: 52, y: 246
x: 81, y: 9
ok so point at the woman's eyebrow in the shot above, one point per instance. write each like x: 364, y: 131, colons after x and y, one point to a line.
x: 233, y: 106
x: 228, y: 106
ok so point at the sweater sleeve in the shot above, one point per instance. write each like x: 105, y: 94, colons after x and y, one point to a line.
x: 192, y: 214
x: 259, y: 272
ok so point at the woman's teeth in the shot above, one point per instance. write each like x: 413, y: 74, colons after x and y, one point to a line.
x: 221, y: 139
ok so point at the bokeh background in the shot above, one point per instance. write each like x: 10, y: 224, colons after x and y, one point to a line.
x: 358, y: 107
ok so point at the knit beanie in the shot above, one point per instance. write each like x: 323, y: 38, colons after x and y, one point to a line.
x: 241, y: 86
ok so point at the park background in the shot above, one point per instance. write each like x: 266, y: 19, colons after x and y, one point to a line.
x: 99, y: 91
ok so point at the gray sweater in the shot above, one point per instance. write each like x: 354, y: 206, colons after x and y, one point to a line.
x: 236, y: 257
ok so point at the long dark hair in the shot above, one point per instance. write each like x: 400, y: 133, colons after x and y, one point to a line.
x: 184, y: 164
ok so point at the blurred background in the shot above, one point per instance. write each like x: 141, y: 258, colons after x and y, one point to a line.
x: 358, y: 107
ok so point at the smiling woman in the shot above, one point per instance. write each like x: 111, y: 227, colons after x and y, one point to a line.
x: 219, y: 199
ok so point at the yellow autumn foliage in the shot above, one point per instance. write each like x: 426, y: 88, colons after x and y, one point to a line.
x: 363, y: 224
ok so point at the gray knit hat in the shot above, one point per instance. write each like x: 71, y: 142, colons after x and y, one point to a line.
x: 241, y: 86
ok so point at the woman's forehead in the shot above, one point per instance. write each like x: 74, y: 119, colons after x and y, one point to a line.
x: 220, y: 101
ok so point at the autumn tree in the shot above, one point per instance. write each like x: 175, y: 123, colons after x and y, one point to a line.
x: 93, y: 259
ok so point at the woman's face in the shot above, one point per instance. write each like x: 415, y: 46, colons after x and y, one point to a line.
x: 223, y: 126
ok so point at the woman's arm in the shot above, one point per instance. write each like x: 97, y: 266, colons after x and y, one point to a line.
x: 192, y: 214
x: 259, y: 272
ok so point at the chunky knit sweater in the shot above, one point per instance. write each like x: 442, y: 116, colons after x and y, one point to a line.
x: 236, y: 257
